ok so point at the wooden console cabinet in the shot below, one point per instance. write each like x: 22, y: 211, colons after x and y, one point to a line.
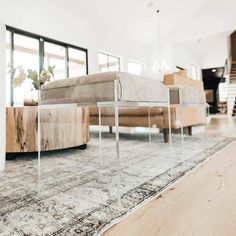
x: 60, y: 128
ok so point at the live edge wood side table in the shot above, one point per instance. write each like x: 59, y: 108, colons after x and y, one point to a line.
x: 61, y: 128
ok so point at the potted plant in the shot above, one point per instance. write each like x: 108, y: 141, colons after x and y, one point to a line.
x: 37, y: 80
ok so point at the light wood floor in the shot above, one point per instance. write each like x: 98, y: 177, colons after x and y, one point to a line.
x: 201, y: 204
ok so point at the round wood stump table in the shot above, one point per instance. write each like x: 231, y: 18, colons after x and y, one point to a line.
x: 61, y: 128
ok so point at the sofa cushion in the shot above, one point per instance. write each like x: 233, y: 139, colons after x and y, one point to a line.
x: 136, y: 112
x: 100, y: 87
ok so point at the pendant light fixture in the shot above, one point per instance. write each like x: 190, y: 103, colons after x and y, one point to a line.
x: 161, y: 66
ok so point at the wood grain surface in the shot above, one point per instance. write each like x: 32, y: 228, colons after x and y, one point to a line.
x: 201, y: 204
x: 60, y: 128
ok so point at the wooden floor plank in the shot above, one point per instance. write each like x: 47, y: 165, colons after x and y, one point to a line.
x: 203, y: 203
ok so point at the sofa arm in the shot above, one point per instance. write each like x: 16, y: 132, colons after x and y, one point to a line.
x: 187, y: 115
x: 186, y: 95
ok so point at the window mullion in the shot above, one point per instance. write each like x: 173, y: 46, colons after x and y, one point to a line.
x: 87, y: 66
x: 41, y: 54
x: 67, y: 70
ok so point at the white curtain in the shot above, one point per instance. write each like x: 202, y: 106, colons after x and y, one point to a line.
x: 2, y: 97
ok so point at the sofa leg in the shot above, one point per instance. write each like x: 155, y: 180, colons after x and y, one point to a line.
x: 166, y: 135
x: 110, y: 130
x: 190, y: 130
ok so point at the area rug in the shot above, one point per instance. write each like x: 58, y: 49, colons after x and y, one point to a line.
x: 79, y: 192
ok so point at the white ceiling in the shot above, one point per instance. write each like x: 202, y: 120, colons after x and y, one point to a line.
x: 180, y: 20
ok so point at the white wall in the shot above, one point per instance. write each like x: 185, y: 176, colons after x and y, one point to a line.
x: 109, y: 40
x: 2, y: 98
x: 50, y: 20
x: 47, y: 18
x: 184, y: 55
x: 214, y: 51
x: 165, y: 58
x: 206, y: 52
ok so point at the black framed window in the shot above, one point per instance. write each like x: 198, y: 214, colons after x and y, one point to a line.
x: 108, y: 62
x: 36, y: 52
x: 77, y: 62
x: 26, y: 54
x: 55, y: 54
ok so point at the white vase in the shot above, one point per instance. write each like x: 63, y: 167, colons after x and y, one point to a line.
x: 31, y: 98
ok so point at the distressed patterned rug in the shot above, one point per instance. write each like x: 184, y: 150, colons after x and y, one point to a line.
x: 80, y: 193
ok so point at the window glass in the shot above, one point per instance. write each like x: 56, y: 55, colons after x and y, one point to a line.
x: 26, y: 54
x: 135, y: 68
x: 114, y: 63
x: 77, y: 62
x: 108, y: 62
x: 55, y: 56
x: 103, y: 62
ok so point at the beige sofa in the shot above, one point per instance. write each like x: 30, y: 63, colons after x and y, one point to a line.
x: 187, y: 98
x: 188, y: 108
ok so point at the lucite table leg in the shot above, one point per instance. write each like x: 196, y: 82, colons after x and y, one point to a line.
x: 182, y: 130
x: 100, y: 131
x: 169, y: 124
x: 182, y: 133
x: 206, y: 135
x: 118, y: 154
x: 39, y: 146
x: 117, y: 132
x: 149, y: 125
x: 182, y: 142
